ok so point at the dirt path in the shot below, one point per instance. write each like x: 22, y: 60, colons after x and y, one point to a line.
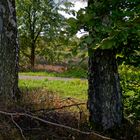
x: 49, y: 78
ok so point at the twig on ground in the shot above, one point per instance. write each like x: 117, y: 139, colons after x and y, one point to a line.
x: 92, y: 134
x: 18, y: 127
x: 80, y: 109
x: 59, y: 108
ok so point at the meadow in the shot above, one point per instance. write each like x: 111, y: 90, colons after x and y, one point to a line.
x: 64, y: 89
x: 130, y: 82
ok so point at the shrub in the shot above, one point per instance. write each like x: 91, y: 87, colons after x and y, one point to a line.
x: 130, y: 82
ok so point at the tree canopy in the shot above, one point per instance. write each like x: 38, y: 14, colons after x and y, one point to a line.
x: 36, y: 20
x: 112, y: 24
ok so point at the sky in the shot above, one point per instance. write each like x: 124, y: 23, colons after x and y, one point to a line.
x: 77, y: 5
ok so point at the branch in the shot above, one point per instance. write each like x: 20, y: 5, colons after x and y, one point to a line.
x: 18, y: 127
x: 38, y: 33
x: 92, y: 135
x: 59, y: 108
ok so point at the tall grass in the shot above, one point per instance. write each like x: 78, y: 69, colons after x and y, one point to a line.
x: 74, y: 88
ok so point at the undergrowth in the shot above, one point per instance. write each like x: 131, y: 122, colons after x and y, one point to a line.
x: 59, y: 112
x: 64, y: 103
x: 130, y: 82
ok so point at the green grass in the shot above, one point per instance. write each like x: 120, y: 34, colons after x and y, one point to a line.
x: 51, y: 74
x: 130, y: 82
x: 72, y: 73
x: 75, y: 88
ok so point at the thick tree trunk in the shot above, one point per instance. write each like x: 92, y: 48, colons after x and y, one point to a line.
x: 32, y: 57
x: 104, y: 94
x: 8, y: 51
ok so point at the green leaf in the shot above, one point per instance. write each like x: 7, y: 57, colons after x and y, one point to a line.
x: 74, y: 51
x: 107, y: 43
x: 72, y: 22
x: 89, y: 40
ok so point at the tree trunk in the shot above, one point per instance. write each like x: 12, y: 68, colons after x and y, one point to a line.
x: 104, y: 94
x: 32, y: 58
x: 8, y: 51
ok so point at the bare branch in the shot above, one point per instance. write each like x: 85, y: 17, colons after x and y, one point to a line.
x: 62, y: 107
x: 18, y: 127
x: 91, y: 134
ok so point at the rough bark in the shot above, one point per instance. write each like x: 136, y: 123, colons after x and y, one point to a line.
x: 104, y: 94
x: 8, y: 51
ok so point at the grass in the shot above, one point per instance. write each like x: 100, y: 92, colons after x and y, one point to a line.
x: 130, y: 82
x: 71, y: 73
x: 41, y: 95
x: 75, y: 88
x: 40, y: 73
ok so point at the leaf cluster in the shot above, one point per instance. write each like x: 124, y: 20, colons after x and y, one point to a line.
x: 39, y: 21
x: 111, y: 25
x: 130, y: 82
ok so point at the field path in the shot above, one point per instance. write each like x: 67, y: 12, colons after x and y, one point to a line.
x: 49, y: 78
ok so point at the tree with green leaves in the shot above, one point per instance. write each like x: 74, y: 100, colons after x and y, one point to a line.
x: 113, y: 28
x: 8, y: 52
x: 56, y: 50
x: 36, y: 19
x: 110, y: 25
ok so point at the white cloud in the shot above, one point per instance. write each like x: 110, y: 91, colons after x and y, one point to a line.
x: 81, y: 33
x: 78, y: 4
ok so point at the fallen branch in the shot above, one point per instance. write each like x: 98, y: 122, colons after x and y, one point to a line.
x: 92, y: 135
x: 18, y: 127
x: 59, y: 108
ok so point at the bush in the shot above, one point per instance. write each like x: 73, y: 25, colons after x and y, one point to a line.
x: 130, y: 82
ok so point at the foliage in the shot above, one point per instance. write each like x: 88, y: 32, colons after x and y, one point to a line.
x: 57, y: 50
x: 130, y: 81
x: 111, y: 25
x: 39, y: 21
x: 75, y: 72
